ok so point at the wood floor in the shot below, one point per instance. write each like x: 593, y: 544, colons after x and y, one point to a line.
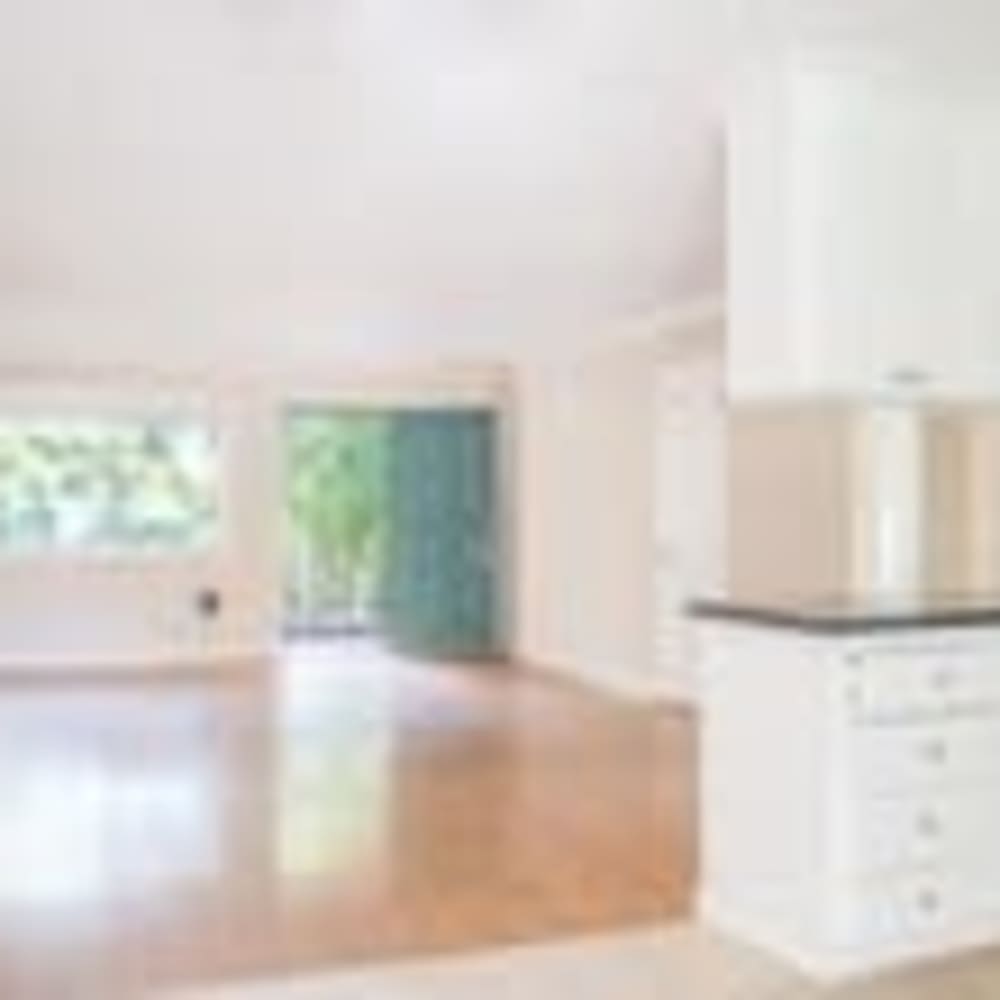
x: 335, y: 808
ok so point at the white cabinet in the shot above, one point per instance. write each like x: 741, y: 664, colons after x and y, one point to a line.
x: 864, y: 230
x: 851, y: 792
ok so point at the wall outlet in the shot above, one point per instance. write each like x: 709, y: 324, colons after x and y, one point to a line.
x: 208, y: 603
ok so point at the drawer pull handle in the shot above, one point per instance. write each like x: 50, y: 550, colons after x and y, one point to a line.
x: 928, y: 901
x: 908, y: 377
x: 936, y: 752
x: 929, y: 826
x: 943, y: 680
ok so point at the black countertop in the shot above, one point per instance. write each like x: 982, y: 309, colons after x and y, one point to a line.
x: 854, y: 614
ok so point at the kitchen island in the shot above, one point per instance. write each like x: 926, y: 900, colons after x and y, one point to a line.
x: 850, y: 776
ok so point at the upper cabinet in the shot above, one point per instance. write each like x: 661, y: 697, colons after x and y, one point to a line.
x: 864, y: 218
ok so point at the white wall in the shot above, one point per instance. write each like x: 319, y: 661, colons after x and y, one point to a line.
x: 591, y: 597
x: 110, y: 610
x: 586, y: 462
x: 134, y: 612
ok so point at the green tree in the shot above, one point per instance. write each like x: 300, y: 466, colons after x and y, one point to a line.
x: 106, y: 482
x: 337, y: 508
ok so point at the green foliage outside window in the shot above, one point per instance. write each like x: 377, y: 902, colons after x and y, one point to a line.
x: 337, y: 513
x: 107, y: 483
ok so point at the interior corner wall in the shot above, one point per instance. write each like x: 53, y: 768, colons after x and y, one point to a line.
x: 585, y: 440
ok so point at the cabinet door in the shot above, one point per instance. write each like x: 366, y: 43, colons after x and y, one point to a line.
x: 970, y: 346
x: 876, y: 212
x: 864, y: 240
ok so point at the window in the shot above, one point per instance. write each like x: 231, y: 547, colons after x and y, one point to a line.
x: 107, y: 483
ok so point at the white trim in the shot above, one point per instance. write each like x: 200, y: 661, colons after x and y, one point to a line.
x: 668, y: 326
x: 830, y: 968
x: 628, y: 689
x: 608, y: 332
x: 131, y: 663
x: 654, y: 689
x: 740, y: 927
x: 676, y: 316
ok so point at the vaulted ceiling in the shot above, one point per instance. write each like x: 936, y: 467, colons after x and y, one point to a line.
x: 308, y: 177
x: 443, y: 175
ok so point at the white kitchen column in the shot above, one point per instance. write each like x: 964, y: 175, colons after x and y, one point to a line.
x: 890, y: 500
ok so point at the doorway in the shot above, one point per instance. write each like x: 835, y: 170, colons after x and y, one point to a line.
x: 336, y: 517
x: 392, y: 529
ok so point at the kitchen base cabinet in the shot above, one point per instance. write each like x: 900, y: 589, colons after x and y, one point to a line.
x: 851, y: 789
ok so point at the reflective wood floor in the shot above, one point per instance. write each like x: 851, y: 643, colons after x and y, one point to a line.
x: 336, y: 807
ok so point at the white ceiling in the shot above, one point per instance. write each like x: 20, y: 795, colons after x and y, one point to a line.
x: 302, y: 178
x: 439, y: 175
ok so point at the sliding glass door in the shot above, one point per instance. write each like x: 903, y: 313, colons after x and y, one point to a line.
x: 441, y: 589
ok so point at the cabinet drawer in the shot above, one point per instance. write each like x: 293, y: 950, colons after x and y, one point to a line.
x: 921, y: 831
x: 928, y: 906
x: 879, y: 759
x: 909, y: 681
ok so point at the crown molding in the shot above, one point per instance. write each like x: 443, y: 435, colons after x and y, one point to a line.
x: 677, y: 316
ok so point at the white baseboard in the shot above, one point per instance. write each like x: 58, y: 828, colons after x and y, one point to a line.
x: 831, y: 967
x: 646, y: 691
x: 127, y: 663
x: 753, y: 932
